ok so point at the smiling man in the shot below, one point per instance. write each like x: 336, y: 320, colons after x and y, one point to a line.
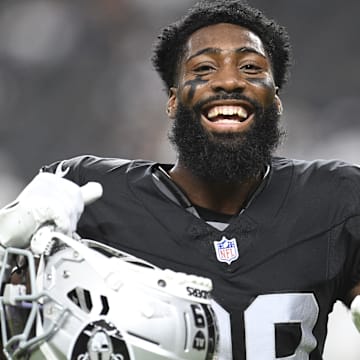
x: 225, y: 109
x: 280, y: 238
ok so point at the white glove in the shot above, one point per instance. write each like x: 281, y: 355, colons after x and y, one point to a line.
x: 48, y: 198
x: 51, y: 198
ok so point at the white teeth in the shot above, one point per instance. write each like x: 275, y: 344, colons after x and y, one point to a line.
x: 227, y: 110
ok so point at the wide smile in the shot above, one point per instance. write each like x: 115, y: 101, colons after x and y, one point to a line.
x: 227, y: 116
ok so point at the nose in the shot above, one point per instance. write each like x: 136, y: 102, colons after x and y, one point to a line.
x: 228, y: 80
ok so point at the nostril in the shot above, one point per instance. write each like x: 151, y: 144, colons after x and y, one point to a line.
x: 228, y: 84
x: 228, y: 90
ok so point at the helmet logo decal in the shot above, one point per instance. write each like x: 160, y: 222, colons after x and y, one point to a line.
x: 226, y: 250
x: 100, y: 340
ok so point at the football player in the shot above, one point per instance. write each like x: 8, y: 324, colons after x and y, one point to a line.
x: 280, y: 238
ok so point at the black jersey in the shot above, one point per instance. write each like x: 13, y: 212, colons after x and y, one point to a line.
x: 277, y: 269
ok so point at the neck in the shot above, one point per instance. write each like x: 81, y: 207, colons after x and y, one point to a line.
x: 222, y: 197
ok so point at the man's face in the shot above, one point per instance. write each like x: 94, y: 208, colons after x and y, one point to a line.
x: 226, y: 95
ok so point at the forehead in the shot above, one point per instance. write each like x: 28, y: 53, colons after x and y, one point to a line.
x: 224, y: 37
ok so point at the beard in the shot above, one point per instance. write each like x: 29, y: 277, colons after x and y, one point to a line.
x: 226, y: 157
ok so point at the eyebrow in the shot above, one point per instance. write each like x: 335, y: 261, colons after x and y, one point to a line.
x: 246, y: 49
x: 210, y: 50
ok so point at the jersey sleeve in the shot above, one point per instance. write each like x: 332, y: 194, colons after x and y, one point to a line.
x: 69, y: 169
x: 349, y: 182
x: 83, y: 169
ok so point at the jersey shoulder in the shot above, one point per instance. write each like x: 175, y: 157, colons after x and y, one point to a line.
x: 328, y: 173
x: 317, y: 184
x: 82, y: 169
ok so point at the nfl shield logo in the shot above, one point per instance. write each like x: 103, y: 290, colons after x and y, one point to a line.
x: 226, y: 250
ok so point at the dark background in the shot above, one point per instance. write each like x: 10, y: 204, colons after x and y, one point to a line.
x: 75, y: 78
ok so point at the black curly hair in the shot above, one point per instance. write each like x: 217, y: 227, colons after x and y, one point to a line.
x: 170, y: 46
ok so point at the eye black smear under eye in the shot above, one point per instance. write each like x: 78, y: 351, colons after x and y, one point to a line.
x: 264, y: 82
x: 193, y: 84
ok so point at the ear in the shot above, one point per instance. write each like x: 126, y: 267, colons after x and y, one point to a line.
x: 172, y: 103
x: 278, y: 102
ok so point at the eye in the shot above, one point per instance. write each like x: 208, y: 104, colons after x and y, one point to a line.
x: 204, y: 69
x: 251, y: 68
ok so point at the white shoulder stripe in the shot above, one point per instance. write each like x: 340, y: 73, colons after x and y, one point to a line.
x: 59, y: 170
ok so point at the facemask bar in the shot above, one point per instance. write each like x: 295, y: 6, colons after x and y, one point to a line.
x: 15, y: 295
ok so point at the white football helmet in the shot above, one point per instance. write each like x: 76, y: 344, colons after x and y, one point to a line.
x: 88, y: 301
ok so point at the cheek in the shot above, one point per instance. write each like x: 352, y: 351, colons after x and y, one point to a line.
x: 266, y: 83
x: 191, y: 86
x: 266, y: 87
